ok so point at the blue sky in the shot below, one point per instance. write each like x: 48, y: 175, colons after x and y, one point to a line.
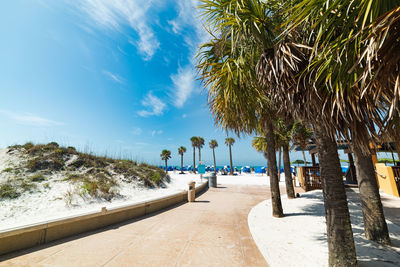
x: 113, y: 77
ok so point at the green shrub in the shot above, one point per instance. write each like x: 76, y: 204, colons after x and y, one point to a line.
x: 7, y: 191
x: 7, y: 169
x: 27, y: 186
x: 28, y: 145
x: 37, y: 178
x: 156, y: 177
x: 53, y: 144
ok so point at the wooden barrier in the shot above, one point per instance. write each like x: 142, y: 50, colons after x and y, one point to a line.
x: 309, y: 178
x: 32, y: 235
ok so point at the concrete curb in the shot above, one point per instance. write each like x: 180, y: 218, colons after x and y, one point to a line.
x: 28, y: 236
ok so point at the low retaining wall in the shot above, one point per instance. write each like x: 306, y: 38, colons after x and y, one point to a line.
x: 41, y: 233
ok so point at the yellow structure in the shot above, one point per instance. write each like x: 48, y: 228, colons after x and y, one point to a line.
x: 386, y: 179
x: 300, y: 176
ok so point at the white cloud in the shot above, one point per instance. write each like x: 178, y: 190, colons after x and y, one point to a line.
x: 184, y: 116
x: 184, y: 85
x: 154, y: 105
x: 189, y: 17
x: 136, y: 131
x: 30, y: 119
x: 113, y: 77
x: 155, y: 132
x: 114, y: 14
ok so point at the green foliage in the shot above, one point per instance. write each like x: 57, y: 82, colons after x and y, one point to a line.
x: 28, y: 145
x: 37, y: 178
x: 156, y: 177
x: 181, y: 150
x: 213, y: 144
x: 229, y: 141
x: 8, y: 169
x: 7, y: 191
x: 165, y: 154
x: 27, y: 185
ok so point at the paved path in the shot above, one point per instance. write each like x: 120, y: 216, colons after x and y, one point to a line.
x: 213, y: 231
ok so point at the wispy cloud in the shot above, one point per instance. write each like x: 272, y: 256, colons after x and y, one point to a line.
x: 189, y: 17
x: 154, y: 105
x: 136, y: 131
x: 156, y: 132
x: 183, y: 85
x: 114, y: 77
x: 113, y: 14
x: 30, y: 119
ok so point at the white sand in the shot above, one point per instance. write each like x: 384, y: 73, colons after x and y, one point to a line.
x: 49, y: 203
x: 299, y: 239
x: 239, y: 179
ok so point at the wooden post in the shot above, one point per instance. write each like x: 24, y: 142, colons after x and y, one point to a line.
x: 313, y: 160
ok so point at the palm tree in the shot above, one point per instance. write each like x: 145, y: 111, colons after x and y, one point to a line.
x: 181, y: 150
x: 301, y: 137
x: 250, y: 29
x: 284, y: 132
x: 355, y: 70
x: 200, y: 144
x: 165, y: 155
x: 213, y: 144
x: 229, y: 142
x: 194, y: 142
x: 229, y: 76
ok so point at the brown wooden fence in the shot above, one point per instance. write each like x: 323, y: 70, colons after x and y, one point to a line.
x: 312, y: 178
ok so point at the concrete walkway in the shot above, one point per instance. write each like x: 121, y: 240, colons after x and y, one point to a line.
x: 213, y: 231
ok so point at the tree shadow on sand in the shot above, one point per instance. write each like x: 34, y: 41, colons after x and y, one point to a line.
x: 369, y: 253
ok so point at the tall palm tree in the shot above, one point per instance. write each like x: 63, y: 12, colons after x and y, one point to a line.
x: 200, y: 144
x: 229, y: 142
x: 194, y: 142
x: 251, y: 29
x: 229, y: 76
x: 213, y: 144
x: 181, y: 151
x: 355, y: 70
x: 165, y: 155
x: 284, y: 132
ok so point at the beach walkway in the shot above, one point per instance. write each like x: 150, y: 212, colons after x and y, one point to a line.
x: 213, y: 231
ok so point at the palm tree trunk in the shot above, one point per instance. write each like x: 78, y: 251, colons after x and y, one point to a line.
x: 230, y: 154
x: 194, y: 160
x: 215, y: 164
x: 166, y: 167
x: 375, y: 226
x: 304, y: 158
x: 199, y: 155
x: 182, y: 163
x: 273, y: 175
x: 288, y: 172
x: 338, y: 226
x: 279, y: 163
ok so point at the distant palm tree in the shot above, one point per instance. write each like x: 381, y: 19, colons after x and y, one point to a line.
x: 213, y: 144
x: 229, y: 142
x: 165, y: 155
x: 181, y: 150
x: 200, y: 144
x: 301, y: 137
x: 194, y: 141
